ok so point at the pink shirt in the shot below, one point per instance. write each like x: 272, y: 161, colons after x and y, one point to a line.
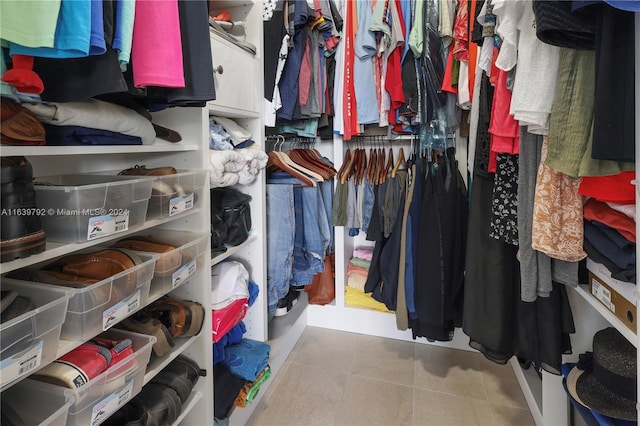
x: 156, y: 49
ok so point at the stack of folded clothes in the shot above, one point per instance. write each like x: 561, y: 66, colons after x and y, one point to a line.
x: 610, y: 238
x: 92, y: 122
x: 244, y: 370
x: 610, y: 223
x: 357, y: 272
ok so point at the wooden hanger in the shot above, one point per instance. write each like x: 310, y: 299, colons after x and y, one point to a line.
x: 286, y: 159
x: 388, y: 166
x: 301, y: 157
x: 276, y: 160
x: 362, y: 166
x: 401, y: 162
x: 380, y: 165
x: 349, y: 169
x: 373, y: 163
x: 345, y: 162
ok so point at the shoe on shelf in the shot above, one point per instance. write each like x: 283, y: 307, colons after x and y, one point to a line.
x: 287, y: 303
x: 20, y: 226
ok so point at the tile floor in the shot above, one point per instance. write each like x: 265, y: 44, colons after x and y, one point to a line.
x: 338, y: 378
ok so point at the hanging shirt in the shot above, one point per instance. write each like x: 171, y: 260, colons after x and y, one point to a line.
x: 363, y: 67
x: 535, y: 83
x: 508, y: 13
x: 123, y: 37
x: 157, y: 47
x: 29, y: 23
x: 393, y: 82
x: 73, y: 33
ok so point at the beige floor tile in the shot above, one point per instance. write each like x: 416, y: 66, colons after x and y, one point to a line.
x: 502, y: 385
x: 509, y: 416
x: 373, y: 402
x: 306, y: 395
x: 451, y: 371
x: 439, y: 409
x: 384, y: 359
x: 326, y: 349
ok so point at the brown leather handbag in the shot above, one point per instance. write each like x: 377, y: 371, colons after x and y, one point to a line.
x: 322, y: 289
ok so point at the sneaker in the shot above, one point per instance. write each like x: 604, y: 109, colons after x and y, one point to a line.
x: 287, y: 303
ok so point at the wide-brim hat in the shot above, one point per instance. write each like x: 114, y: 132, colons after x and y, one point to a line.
x: 605, y: 381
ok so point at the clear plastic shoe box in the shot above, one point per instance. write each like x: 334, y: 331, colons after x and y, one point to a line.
x: 94, y: 402
x: 174, y: 194
x: 84, y: 207
x: 35, y: 404
x: 30, y: 341
x: 174, y: 267
x: 96, y: 307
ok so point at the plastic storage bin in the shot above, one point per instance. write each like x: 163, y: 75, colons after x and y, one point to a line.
x: 97, y: 400
x: 174, y: 194
x: 37, y: 405
x: 83, y: 207
x: 97, y: 307
x: 173, y: 268
x: 30, y: 340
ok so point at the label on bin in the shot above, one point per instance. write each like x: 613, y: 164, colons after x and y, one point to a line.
x: 120, y: 310
x: 21, y: 363
x: 100, y: 226
x: 180, y: 204
x: 111, y: 403
x: 603, y: 295
x: 179, y: 276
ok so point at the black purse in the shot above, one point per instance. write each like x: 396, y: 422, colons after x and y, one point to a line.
x: 230, y: 217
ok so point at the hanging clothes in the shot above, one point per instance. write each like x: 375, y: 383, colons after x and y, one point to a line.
x: 441, y: 249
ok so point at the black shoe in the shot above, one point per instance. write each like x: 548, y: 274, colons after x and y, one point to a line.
x: 20, y: 227
x: 287, y: 303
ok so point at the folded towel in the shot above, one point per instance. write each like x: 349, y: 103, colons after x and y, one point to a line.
x: 236, y: 166
x: 365, y: 253
x: 355, y: 298
x: 356, y: 281
x: 360, y: 262
x: 357, y: 270
x: 247, y: 358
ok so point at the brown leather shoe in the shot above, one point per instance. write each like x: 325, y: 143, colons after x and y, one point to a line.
x: 19, y: 125
x: 143, y: 171
x: 97, y: 266
x: 166, y: 264
x: 183, y: 318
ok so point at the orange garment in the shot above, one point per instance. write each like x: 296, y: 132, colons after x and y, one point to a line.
x: 598, y: 211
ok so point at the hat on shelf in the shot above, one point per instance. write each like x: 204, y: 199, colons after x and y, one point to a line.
x: 605, y: 380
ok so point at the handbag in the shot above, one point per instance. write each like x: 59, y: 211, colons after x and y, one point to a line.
x: 322, y: 289
x: 230, y: 217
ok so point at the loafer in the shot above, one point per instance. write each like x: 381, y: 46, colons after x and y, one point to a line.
x: 166, y: 264
x: 143, y: 171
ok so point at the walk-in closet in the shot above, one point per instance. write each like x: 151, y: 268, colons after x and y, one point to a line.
x: 387, y: 212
